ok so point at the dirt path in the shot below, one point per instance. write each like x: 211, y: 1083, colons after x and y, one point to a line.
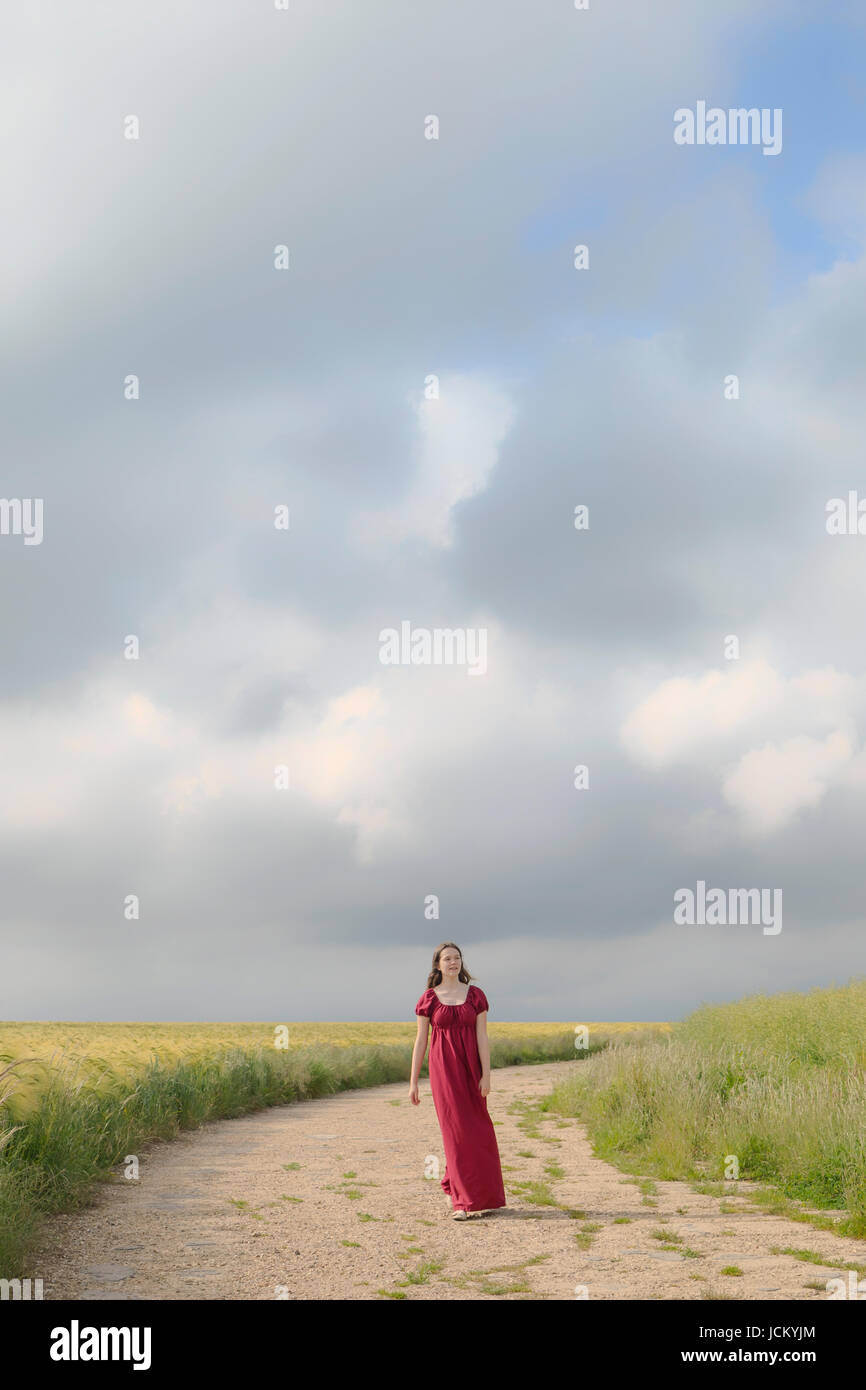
x: 260, y: 1208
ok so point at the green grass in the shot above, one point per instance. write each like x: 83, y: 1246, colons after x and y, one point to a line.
x: 536, y: 1193
x: 777, y: 1082
x: 479, y: 1280
x: 587, y: 1233
x: 421, y: 1275
x: 815, y: 1258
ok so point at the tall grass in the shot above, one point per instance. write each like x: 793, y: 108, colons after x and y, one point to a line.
x: 68, y: 1121
x: 777, y: 1082
x: 822, y: 1026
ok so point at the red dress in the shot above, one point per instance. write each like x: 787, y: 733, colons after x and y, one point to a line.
x: 473, y: 1172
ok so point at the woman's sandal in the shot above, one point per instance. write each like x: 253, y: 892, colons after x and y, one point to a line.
x: 460, y: 1215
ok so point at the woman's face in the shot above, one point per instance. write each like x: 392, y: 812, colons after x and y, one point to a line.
x: 450, y: 963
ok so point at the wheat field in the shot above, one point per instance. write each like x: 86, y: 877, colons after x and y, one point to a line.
x: 101, y: 1053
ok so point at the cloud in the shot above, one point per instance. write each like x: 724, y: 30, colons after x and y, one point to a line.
x: 459, y: 434
x: 701, y: 720
x: 683, y: 715
x: 770, y: 785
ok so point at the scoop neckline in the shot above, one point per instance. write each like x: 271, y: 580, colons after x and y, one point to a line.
x: 452, y: 1006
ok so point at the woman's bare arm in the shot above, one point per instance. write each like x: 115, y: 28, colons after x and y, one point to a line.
x: 418, y: 1054
x: 483, y: 1052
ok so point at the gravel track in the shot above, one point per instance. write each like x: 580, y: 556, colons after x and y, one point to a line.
x: 260, y: 1208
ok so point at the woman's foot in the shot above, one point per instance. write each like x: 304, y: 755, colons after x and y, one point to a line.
x: 460, y: 1215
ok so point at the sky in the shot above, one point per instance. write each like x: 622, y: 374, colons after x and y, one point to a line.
x: 219, y: 802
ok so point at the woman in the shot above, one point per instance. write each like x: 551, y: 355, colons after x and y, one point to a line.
x: 460, y: 1081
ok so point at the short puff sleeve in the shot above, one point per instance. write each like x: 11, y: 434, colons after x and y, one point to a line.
x: 480, y: 1001
x: 425, y: 1004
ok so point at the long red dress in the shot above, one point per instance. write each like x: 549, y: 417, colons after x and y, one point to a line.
x: 473, y: 1171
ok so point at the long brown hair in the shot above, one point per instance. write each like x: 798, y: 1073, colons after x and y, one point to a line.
x: 435, y: 976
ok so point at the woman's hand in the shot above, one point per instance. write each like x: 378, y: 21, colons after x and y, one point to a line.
x: 484, y: 1085
x: 413, y: 1094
